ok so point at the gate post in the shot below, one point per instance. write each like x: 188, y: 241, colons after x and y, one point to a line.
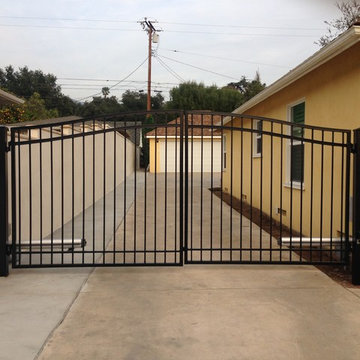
x: 4, y: 258
x: 356, y: 212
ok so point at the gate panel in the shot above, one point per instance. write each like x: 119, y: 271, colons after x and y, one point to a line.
x: 281, y: 196
x: 79, y: 197
x: 218, y: 188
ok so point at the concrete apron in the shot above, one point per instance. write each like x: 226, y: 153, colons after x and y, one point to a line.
x: 209, y: 312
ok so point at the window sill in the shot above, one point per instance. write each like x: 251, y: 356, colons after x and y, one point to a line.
x: 256, y: 156
x: 295, y: 185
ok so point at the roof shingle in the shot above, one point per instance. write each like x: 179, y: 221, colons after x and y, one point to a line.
x: 194, y: 119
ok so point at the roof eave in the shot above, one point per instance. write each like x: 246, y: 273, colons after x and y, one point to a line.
x: 342, y: 43
x: 10, y: 97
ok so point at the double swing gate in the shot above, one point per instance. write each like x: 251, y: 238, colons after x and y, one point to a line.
x: 176, y: 187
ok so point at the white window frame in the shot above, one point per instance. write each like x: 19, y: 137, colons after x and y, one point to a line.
x: 289, y: 183
x: 224, y: 152
x: 256, y: 137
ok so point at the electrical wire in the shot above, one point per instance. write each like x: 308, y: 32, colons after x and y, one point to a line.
x: 65, y: 27
x: 242, y: 26
x: 199, y: 68
x: 228, y: 59
x: 241, y: 34
x: 120, y: 81
x: 163, y: 22
x: 168, y: 31
x: 168, y: 68
x: 130, y: 81
x: 63, y: 19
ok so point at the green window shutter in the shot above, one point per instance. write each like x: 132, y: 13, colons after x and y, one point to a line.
x: 298, y: 113
x: 298, y: 117
x: 297, y: 148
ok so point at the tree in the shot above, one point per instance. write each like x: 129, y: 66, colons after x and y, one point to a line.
x: 135, y: 100
x: 350, y: 11
x: 33, y: 109
x: 101, y: 106
x: 194, y: 96
x: 24, y: 83
x: 249, y: 88
x: 105, y: 91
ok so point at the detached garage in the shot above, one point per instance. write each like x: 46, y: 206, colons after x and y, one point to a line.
x: 204, y: 146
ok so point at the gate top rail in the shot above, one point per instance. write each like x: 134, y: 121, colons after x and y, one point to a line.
x: 226, y: 117
x: 101, y: 118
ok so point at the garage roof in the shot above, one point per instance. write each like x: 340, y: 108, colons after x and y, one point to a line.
x: 194, y: 119
x: 7, y: 98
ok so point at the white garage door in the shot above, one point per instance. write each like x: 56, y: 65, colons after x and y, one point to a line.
x: 201, y: 159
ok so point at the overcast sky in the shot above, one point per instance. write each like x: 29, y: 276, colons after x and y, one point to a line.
x: 229, y: 37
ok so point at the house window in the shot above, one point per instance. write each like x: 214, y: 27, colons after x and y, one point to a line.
x: 296, y: 146
x: 224, y: 152
x: 257, y: 138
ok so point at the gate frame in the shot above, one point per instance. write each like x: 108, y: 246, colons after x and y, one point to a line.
x: 354, y: 246
x: 355, y: 261
x: 4, y: 256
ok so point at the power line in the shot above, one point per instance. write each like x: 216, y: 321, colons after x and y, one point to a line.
x: 120, y: 89
x: 199, y: 68
x: 241, y: 26
x: 115, y: 88
x: 138, y: 67
x: 168, y: 68
x: 169, y: 31
x: 63, y: 19
x: 96, y: 79
x: 228, y: 59
x: 163, y: 22
x: 65, y: 27
x: 125, y: 84
x: 241, y: 34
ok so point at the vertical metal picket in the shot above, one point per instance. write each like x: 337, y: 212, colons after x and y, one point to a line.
x: 181, y: 195
x: 186, y: 190
x: 4, y: 258
x: 356, y: 212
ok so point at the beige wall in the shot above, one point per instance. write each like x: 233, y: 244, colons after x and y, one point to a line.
x: 332, y: 99
x: 194, y: 149
x: 91, y: 172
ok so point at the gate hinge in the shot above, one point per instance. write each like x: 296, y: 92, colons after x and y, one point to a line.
x: 9, y: 249
x: 8, y: 146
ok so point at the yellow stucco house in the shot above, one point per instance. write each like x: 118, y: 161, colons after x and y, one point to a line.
x: 300, y: 183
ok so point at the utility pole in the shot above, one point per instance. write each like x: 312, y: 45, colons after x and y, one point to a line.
x: 150, y: 29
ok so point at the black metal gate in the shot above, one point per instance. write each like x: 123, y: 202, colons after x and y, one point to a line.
x: 80, y: 198
x: 175, y: 187
x: 281, y: 195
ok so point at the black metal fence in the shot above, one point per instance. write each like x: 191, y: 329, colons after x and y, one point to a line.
x: 175, y: 187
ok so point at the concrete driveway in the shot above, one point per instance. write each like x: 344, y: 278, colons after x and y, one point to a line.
x: 190, y: 312
x: 209, y: 312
